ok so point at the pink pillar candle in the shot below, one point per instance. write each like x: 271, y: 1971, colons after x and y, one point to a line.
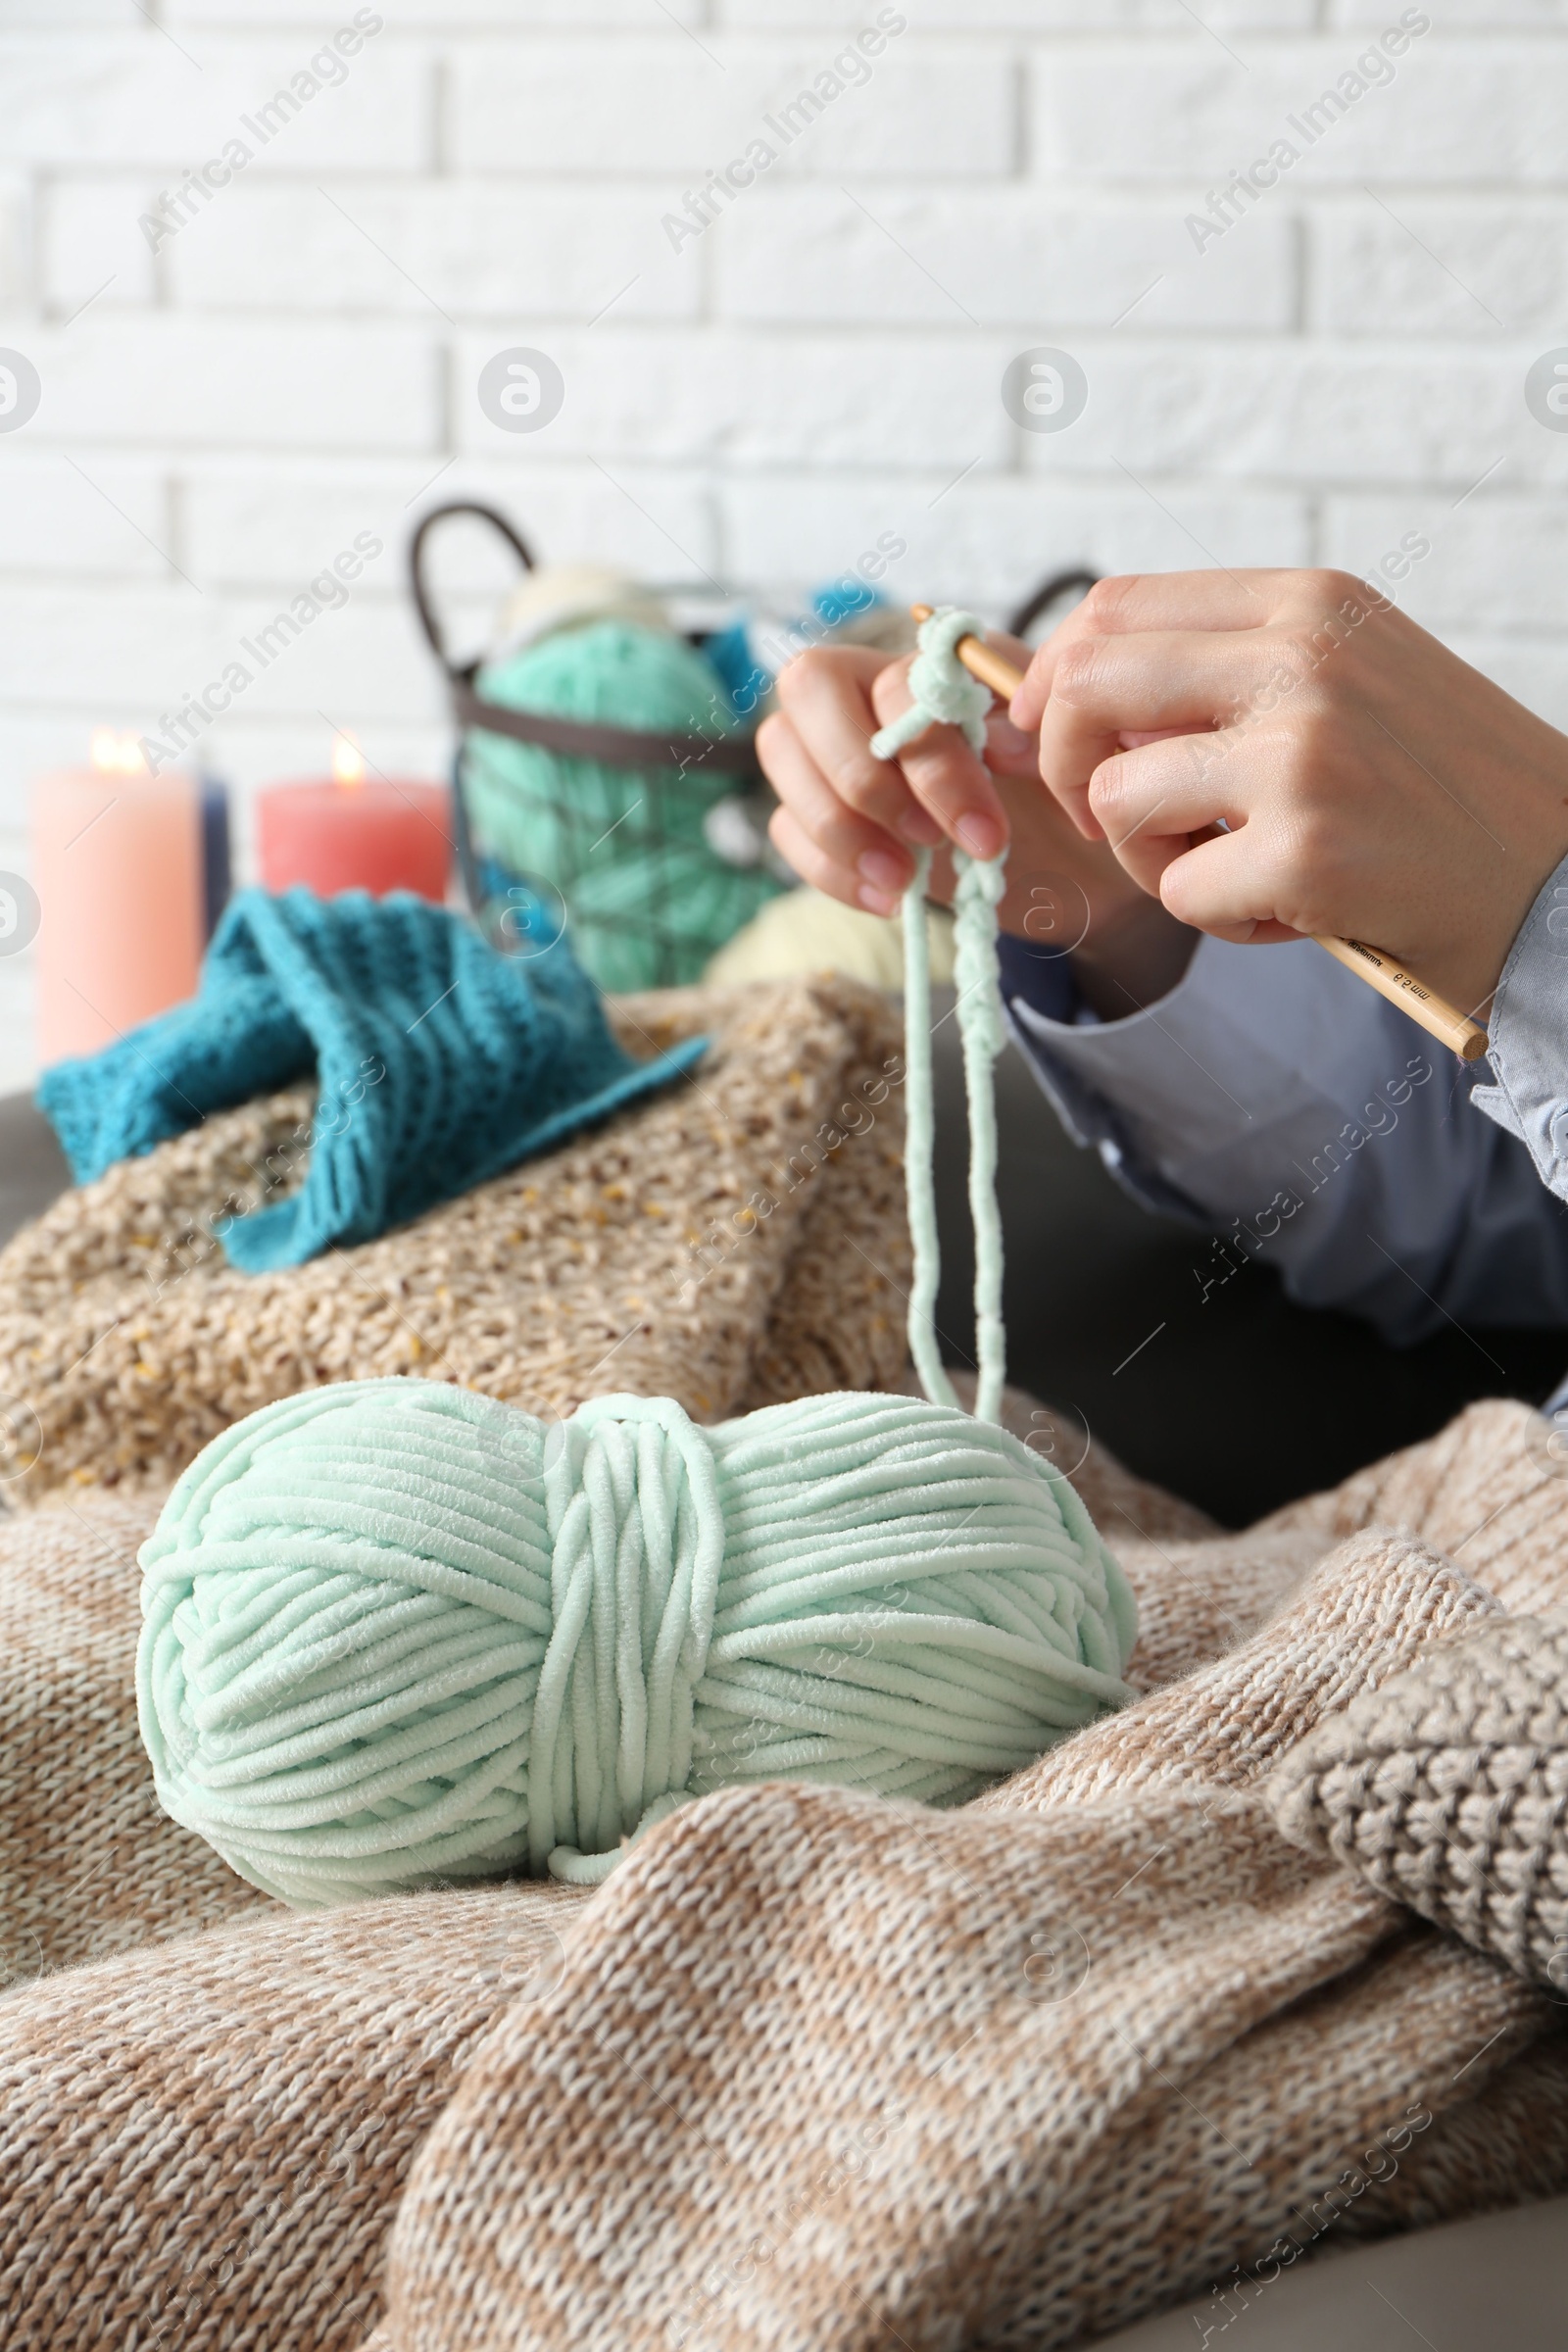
x: 118, y: 868
x: 375, y: 835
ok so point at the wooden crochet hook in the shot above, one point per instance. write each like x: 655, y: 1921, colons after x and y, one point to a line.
x: 1439, y: 1019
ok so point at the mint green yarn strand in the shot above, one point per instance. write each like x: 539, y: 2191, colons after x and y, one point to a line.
x: 975, y: 972
x: 919, y: 1136
x: 863, y: 1589
x: 631, y: 1732
x: 943, y: 693
x: 979, y: 891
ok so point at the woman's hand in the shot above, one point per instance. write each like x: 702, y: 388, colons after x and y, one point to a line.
x: 1326, y: 766
x: 849, y: 823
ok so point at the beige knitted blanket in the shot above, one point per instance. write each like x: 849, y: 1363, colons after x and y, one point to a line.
x: 814, y: 2070
x: 736, y: 1240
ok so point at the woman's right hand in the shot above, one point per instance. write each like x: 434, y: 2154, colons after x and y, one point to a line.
x: 849, y: 823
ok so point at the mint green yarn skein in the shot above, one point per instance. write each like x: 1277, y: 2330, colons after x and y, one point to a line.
x: 622, y: 846
x: 396, y: 1632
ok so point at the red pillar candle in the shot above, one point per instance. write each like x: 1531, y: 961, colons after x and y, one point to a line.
x: 350, y: 831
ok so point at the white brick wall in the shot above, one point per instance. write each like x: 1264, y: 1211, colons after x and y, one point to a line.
x: 298, y: 364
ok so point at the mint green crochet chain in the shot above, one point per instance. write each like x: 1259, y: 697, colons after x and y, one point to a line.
x: 945, y: 693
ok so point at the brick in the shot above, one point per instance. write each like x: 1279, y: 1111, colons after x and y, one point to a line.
x: 1458, y: 16
x: 272, y: 533
x: 205, y: 383
x: 663, y: 106
x: 117, y: 100
x: 991, y: 541
x: 1322, y: 412
x: 98, y: 520
x: 92, y: 246
x: 1441, y: 269
x: 366, y: 656
x: 472, y: 248
x: 74, y: 643
x: 1022, y: 16
x: 359, y: 665
x: 63, y: 16
x: 379, y: 118
x: 655, y: 523
x: 421, y: 16
x: 769, y: 398
x: 1457, y: 110
x: 1007, y: 257
x: 137, y: 98
x: 16, y: 239
x: 272, y: 525
x: 1498, y: 562
x: 275, y: 524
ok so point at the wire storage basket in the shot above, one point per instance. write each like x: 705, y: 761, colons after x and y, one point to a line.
x: 614, y: 836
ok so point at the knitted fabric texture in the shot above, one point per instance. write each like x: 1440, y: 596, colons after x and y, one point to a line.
x: 943, y: 692
x: 1447, y: 1788
x: 1009, y: 2080
x: 812, y: 2065
x: 439, y: 1062
x: 729, y: 1243
x: 395, y: 1630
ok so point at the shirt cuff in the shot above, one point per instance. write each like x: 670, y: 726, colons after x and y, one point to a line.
x: 1526, y: 1042
x: 1040, y: 977
x: 1218, y: 1087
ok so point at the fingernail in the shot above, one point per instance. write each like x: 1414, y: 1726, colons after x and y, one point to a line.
x: 883, y: 871
x: 875, y: 902
x: 981, y: 836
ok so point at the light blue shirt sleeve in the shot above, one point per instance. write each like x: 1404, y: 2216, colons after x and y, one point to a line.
x: 1273, y: 1099
x: 1527, y: 1039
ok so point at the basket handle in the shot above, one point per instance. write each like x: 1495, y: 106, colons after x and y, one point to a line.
x: 1018, y: 620
x: 616, y: 746
x: 420, y: 588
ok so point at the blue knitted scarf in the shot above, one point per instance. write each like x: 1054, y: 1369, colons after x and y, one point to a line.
x: 439, y: 1062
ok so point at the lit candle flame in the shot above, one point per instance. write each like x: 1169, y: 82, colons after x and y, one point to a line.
x: 348, y: 760
x: 117, y: 755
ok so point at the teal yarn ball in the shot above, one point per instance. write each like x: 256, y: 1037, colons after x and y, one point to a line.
x: 626, y: 850
x: 395, y: 1632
